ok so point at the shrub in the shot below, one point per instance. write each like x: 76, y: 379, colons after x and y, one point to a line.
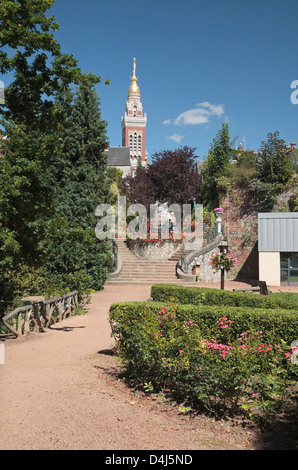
x: 282, y: 323
x: 206, y: 363
x: 207, y: 296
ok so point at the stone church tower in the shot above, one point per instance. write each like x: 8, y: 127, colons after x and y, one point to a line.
x: 134, y: 125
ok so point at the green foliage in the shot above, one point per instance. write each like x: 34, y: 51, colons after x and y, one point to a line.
x: 263, y: 195
x: 219, y: 156
x: 25, y: 203
x: 80, y: 184
x: 34, y: 117
x: 200, y: 296
x: 115, y: 177
x: 31, y: 53
x: 259, y: 176
x: 215, y: 361
x: 274, y: 161
x: 282, y: 321
x: 247, y: 159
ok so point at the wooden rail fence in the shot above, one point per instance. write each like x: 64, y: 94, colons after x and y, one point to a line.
x: 40, y: 315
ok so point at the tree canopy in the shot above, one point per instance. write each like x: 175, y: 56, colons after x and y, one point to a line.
x: 171, y: 177
x: 274, y: 160
x: 36, y: 118
x: 219, y: 156
x: 80, y: 183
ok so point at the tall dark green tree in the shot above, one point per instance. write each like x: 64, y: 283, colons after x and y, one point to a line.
x: 219, y: 155
x: 79, y: 175
x: 274, y: 161
x: 38, y: 71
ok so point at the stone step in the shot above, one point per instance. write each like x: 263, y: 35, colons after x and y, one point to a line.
x: 147, y: 281
x: 160, y: 278
x: 136, y: 270
x: 148, y: 269
x: 177, y: 281
x: 148, y: 266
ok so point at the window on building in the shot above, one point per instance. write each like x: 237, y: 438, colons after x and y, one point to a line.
x: 289, y: 269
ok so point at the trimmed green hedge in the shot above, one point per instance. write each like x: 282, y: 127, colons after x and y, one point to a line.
x: 209, y: 296
x: 200, y: 358
x: 282, y: 323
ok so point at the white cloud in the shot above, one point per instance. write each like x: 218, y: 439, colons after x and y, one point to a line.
x: 176, y: 138
x: 201, y: 114
x: 167, y: 121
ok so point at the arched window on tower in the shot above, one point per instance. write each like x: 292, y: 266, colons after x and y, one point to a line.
x: 134, y: 111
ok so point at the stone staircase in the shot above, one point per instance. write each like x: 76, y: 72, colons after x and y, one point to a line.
x: 137, y: 270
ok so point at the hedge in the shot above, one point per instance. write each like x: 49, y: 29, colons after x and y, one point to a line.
x: 209, y: 296
x: 200, y: 358
x: 283, y: 323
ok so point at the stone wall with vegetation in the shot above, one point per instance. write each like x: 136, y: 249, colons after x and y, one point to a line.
x: 241, y: 219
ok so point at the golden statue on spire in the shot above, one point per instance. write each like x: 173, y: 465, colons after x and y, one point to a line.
x: 134, y: 88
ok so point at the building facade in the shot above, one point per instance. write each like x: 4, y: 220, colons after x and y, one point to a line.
x: 119, y: 157
x: 278, y: 248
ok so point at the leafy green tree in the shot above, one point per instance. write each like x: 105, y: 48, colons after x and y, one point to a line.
x: 30, y: 52
x: 219, y: 156
x: 31, y: 55
x: 25, y: 203
x: 274, y: 161
x: 80, y: 180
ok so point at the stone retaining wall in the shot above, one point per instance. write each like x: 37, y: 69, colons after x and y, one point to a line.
x: 154, y: 250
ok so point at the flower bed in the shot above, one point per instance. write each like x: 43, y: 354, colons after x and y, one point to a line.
x: 210, y: 362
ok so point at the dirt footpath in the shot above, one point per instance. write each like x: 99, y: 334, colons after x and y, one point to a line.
x: 60, y: 391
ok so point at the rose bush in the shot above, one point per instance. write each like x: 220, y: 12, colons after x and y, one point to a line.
x: 221, y: 372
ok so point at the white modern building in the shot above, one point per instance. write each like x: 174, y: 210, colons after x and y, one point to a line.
x: 278, y: 248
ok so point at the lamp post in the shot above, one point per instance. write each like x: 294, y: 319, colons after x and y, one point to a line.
x: 218, y: 213
x: 222, y: 274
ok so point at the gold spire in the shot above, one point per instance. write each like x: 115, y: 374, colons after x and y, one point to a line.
x: 134, y: 88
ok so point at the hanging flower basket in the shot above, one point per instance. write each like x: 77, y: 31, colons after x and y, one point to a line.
x: 219, y: 210
x: 225, y: 260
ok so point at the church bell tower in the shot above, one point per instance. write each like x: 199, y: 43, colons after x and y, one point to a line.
x: 134, y: 125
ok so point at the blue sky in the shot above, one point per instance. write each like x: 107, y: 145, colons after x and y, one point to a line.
x: 199, y: 63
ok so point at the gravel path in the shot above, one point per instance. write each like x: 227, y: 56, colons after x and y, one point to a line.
x: 60, y: 391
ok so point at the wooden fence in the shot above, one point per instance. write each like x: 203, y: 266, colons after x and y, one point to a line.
x: 40, y: 315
